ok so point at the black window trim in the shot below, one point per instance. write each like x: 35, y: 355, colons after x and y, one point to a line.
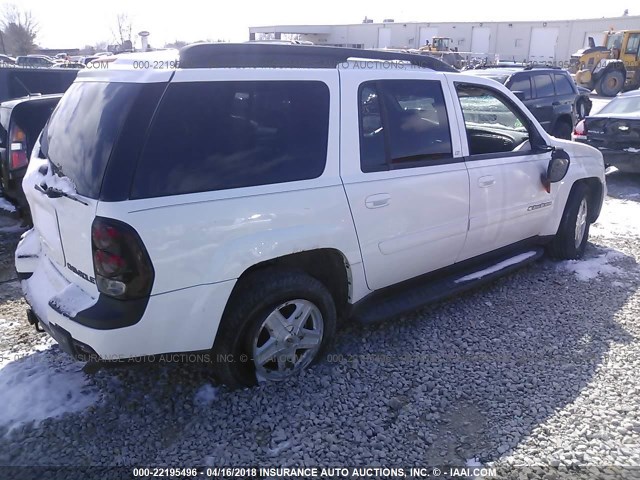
x: 529, y: 124
x: 426, y: 160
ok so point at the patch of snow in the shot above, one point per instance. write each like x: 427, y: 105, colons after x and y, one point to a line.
x: 497, y: 267
x: 278, y: 449
x: 72, y: 299
x: 6, y: 205
x: 473, y: 462
x: 205, y: 395
x: 632, y: 150
x: 39, y: 382
x: 588, y: 269
x: 29, y: 244
x: 64, y: 184
x: 617, y: 218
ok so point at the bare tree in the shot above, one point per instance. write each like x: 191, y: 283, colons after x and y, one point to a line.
x: 124, y: 31
x: 100, y: 46
x: 19, y: 30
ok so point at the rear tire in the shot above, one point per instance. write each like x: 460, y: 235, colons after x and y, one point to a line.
x: 611, y: 83
x: 571, y: 240
x: 247, y: 327
x: 582, y: 109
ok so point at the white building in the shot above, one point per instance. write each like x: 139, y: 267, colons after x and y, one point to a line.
x: 541, y: 41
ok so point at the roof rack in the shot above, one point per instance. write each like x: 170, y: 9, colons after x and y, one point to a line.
x: 257, y: 55
x: 539, y: 65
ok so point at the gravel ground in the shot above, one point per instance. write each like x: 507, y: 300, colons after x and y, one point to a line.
x: 539, y: 368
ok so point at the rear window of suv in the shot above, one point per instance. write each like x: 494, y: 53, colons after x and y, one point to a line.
x: 82, y: 131
x: 219, y: 135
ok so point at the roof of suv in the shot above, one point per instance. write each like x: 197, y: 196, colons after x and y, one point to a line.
x: 272, y: 55
x: 239, y: 55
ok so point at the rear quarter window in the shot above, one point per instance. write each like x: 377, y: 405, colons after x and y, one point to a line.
x: 563, y: 85
x: 219, y: 135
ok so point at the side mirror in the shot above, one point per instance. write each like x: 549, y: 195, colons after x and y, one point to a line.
x: 520, y: 95
x: 557, y: 169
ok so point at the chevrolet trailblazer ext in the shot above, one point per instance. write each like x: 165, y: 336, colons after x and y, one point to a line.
x: 240, y: 198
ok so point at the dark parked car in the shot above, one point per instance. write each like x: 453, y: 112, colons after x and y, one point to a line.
x: 17, y: 82
x: 7, y: 60
x: 35, y: 61
x: 549, y: 93
x: 615, y: 131
x: 21, y: 121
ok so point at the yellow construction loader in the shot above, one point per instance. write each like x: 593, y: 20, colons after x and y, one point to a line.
x: 612, y: 67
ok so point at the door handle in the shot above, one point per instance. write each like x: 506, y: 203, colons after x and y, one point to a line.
x: 378, y: 200
x: 487, y: 181
x: 555, y: 104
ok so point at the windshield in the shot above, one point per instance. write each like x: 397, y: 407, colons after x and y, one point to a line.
x: 622, y: 105
x: 614, y: 41
x: 82, y: 131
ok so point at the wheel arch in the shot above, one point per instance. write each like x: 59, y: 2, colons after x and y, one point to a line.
x: 608, y: 67
x: 595, y: 199
x: 328, y: 265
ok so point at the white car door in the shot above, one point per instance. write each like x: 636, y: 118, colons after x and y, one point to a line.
x: 403, y: 171
x: 508, y: 200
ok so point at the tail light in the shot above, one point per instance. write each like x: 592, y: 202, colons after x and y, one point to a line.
x: 580, y: 130
x: 121, y: 263
x: 17, y: 148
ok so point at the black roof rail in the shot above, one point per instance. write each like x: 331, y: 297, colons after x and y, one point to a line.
x: 260, y: 55
x: 553, y: 67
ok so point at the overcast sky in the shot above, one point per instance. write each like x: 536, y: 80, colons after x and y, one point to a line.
x: 75, y: 23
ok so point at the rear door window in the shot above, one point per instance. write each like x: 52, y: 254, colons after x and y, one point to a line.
x: 563, y: 85
x: 219, y: 135
x: 521, y: 83
x: 544, y: 85
x: 403, y: 124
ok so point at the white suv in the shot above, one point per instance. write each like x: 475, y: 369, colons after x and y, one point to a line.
x: 240, y: 201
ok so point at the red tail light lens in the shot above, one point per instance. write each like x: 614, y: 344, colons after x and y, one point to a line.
x: 580, y: 129
x: 121, y: 263
x: 17, y: 148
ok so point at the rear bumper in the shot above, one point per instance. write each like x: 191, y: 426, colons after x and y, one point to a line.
x: 12, y: 189
x: 68, y: 344
x: 626, y: 161
x: 181, y: 321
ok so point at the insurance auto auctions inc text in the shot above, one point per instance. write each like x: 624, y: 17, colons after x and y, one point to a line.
x: 367, y: 472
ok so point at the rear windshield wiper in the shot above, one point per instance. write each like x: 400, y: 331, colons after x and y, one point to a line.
x: 57, y: 193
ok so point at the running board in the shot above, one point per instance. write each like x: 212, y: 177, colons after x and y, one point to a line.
x: 416, y: 293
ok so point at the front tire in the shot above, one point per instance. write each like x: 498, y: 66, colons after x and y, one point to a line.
x: 611, y: 83
x: 571, y: 240
x: 277, y: 323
